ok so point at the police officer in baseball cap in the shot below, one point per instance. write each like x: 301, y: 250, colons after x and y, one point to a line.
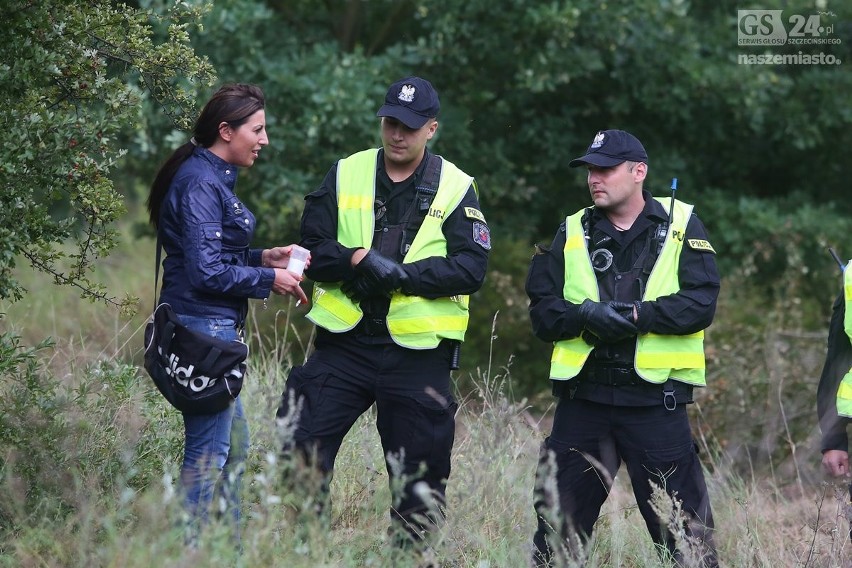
x: 627, y: 330
x: 390, y: 306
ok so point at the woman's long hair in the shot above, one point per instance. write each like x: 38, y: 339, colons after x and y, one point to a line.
x: 233, y: 104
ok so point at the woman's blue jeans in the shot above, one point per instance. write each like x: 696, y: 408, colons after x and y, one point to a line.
x: 216, y: 446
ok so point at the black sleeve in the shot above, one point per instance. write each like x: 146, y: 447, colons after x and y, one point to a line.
x: 462, y: 271
x: 693, y: 306
x: 838, y: 361
x: 330, y: 261
x: 553, y: 318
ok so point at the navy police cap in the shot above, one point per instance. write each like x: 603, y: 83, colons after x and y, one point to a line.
x: 412, y: 101
x: 610, y: 148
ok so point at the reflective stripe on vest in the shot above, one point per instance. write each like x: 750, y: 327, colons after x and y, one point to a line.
x: 569, y: 355
x: 844, y: 391
x: 420, y: 323
x: 413, y: 321
x: 658, y: 357
x: 680, y: 357
x: 356, y: 188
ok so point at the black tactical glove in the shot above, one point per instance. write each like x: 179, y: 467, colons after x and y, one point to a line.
x: 375, y: 275
x: 605, y: 323
x: 624, y: 309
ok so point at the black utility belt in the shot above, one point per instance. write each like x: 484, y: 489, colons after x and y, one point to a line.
x: 611, y: 376
x: 672, y: 391
x: 373, y: 326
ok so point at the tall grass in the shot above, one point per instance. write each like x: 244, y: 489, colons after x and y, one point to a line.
x: 93, y: 484
x: 90, y: 453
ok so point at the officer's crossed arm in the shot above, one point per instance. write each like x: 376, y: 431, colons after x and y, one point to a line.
x: 552, y: 317
x: 375, y: 274
x: 330, y: 260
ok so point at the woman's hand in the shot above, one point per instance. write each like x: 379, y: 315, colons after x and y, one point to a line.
x: 287, y: 284
x: 278, y: 257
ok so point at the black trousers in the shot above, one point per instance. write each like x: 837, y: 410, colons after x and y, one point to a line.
x: 415, y: 417
x: 584, y: 452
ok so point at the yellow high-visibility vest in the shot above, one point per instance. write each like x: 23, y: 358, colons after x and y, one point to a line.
x: 413, y: 321
x: 844, y: 391
x: 658, y: 357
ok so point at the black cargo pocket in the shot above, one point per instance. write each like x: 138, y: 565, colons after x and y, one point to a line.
x: 302, y: 398
x: 672, y: 454
x: 432, y: 435
x: 671, y: 463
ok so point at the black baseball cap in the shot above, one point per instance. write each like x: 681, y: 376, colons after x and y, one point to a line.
x: 610, y: 148
x: 412, y: 101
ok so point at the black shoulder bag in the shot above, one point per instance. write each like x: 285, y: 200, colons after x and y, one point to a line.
x: 197, y: 373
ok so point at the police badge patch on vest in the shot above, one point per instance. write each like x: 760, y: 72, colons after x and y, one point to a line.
x: 700, y: 244
x: 481, y: 235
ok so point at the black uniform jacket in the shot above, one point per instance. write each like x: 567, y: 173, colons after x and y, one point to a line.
x: 689, y: 310
x: 838, y: 361
x: 399, y: 215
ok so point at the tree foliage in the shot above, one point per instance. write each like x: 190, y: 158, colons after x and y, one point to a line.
x: 72, y: 78
x: 525, y: 87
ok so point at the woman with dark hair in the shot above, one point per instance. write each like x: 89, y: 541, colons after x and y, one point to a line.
x: 210, y: 272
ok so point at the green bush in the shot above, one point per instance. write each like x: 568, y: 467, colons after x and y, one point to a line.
x: 33, y: 422
x: 64, y: 442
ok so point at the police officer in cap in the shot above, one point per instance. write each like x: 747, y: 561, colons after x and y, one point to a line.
x: 398, y: 242
x: 624, y: 292
x: 834, y: 393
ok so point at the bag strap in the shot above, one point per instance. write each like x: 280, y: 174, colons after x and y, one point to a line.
x: 212, y: 355
x: 157, y: 270
x: 243, y: 312
x: 166, y: 337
